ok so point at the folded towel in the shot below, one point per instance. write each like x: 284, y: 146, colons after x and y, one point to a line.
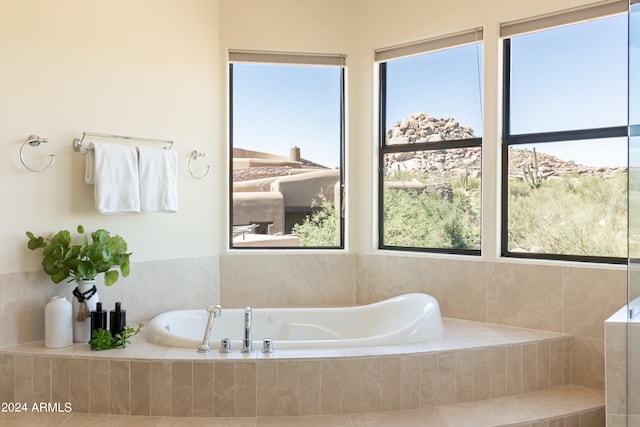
x: 158, y: 179
x: 113, y: 169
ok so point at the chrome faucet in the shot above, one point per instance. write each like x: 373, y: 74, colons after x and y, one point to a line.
x: 214, y: 311
x: 247, y: 346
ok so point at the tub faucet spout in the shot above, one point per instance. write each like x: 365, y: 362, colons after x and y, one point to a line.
x: 247, y: 346
x: 214, y: 311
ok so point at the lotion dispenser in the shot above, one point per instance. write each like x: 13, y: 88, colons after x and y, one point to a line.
x: 118, y: 319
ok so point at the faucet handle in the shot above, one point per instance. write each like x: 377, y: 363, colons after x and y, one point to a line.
x: 216, y: 310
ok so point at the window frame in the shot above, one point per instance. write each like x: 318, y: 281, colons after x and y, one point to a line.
x: 509, y: 139
x: 383, y: 56
x: 301, y: 59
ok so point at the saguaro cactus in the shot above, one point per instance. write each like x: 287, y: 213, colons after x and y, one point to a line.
x: 532, y: 172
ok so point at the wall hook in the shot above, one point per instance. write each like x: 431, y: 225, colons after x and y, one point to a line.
x: 34, y: 141
x: 194, y: 156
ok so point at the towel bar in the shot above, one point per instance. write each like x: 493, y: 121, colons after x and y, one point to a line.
x: 77, y: 142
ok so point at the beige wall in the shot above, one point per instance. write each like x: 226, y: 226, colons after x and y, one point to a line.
x: 157, y: 69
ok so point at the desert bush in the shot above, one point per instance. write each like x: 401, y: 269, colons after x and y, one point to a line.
x: 425, y: 219
x: 570, y: 216
x: 320, y: 229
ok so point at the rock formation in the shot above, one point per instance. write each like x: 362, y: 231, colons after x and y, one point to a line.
x: 446, y: 163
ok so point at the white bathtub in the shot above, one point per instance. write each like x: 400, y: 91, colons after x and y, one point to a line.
x: 403, y: 319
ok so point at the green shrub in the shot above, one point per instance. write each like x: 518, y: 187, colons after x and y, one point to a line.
x: 570, y: 216
x: 321, y: 227
x: 425, y: 219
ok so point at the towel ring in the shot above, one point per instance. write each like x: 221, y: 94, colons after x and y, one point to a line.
x: 34, y: 141
x: 194, y: 156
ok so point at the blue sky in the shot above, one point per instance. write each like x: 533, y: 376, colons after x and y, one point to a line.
x: 573, y: 77
x: 276, y: 107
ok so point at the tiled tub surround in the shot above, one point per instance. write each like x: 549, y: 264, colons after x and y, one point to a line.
x: 571, y: 299
x: 473, y: 361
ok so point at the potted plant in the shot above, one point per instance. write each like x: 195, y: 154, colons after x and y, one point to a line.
x: 81, y: 263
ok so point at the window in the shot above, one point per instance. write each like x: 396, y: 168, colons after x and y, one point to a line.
x: 430, y: 145
x: 286, y: 121
x: 564, y: 156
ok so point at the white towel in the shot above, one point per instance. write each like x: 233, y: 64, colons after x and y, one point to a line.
x: 158, y: 179
x: 113, y: 169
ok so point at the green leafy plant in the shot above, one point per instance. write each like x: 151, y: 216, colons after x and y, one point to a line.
x: 102, y: 339
x: 84, y: 261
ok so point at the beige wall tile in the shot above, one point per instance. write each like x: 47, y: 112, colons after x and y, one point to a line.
x: 498, y: 372
x: 459, y: 287
x: 61, y: 380
x: 140, y: 387
x: 160, y: 388
x: 446, y: 378
x: 22, y: 295
x: 341, y: 280
x: 410, y: 382
x: 514, y: 370
x: 529, y: 366
x: 464, y: 376
x: 267, y: 387
x: 481, y: 374
x: 591, y: 296
x: 181, y: 389
x: 428, y: 380
x: 351, y: 373
x: 524, y: 295
x: 331, y: 387
x: 588, y: 362
x: 41, y: 379
x: 224, y: 383
x: 288, y: 387
x: 391, y: 382
x: 80, y: 382
x: 634, y: 369
x: 23, y: 379
x: 387, y: 276
x: 119, y: 387
x: 542, y: 365
x: 310, y: 378
x: 99, y: 396
x: 616, y: 367
x: 203, y: 389
x: 556, y: 363
x: 568, y: 360
x: 264, y: 285
x: 6, y: 378
x: 199, y: 274
x: 372, y: 384
x: 245, y: 389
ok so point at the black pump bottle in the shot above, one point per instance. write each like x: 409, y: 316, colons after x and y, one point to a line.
x: 98, y: 318
x: 118, y: 320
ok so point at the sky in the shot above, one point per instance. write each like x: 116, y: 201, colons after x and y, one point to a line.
x: 276, y: 107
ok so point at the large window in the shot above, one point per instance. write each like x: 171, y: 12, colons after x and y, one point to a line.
x: 564, y: 154
x: 287, y: 136
x: 430, y: 145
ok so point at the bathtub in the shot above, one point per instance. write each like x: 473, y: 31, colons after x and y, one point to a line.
x: 403, y: 319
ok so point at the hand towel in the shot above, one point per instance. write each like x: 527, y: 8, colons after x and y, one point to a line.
x: 113, y: 169
x: 158, y: 179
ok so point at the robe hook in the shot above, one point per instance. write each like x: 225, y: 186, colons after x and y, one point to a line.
x: 194, y: 156
x: 35, y: 141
